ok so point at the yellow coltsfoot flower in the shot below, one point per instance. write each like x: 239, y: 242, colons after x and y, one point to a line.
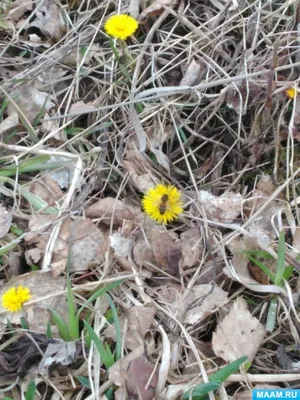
x: 291, y: 93
x: 121, y: 26
x: 14, y: 298
x: 162, y: 203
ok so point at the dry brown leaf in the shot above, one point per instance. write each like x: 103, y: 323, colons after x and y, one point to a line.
x: 200, y: 301
x: 81, y: 107
x: 110, y: 210
x: 88, y: 242
x: 63, y: 353
x: 138, y: 320
x: 75, y: 57
x: 18, y: 8
x: 47, y: 189
x: 240, y: 92
x: 120, y: 244
x: 135, y: 373
x: 192, y: 74
x: 49, y: 20
x: 224, y: 208
x: 238, y: 334
x: 142, y: 253
x: 139, y: 169
x: 192, y: 247
x: 41, y: 285
x: 29, y: 100
x: 5, y: 221
x: 156, y: 8
x: 166, y: 250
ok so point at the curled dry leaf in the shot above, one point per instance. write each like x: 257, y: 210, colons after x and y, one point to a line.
x: 138, y: 320
x: 18, y: 8
x: 262, y: 226
x: 161, y: 249
x: 224, y: 208
x: 192, y: 74
x: 47, y: 189
x: 238, y: 334
x: 87, y: 242
x: 135, y: 374
x: 192, y: 247
x: 139, y: 168
x: 83, y: 54
x: 157, y: 7
x: 5, y: 221
x: 240, y: 92
x: 49, y: 20
x: 61, y: 352
x: 110, y: 210
x: 19, y: 354
x: 45, y: 291
x: 29, y: 100
x: 120, y: 244
x: 200, y: 301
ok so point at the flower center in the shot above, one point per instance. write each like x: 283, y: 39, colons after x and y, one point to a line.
x: 120, y: 28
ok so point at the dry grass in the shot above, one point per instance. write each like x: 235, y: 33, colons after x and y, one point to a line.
x: 201, y: 104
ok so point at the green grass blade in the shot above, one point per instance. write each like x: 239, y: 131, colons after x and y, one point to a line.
x: 30, y: 392
x: 84, y: 381
x: 99, y: 293
x: 271, y: 318
x: 117, y: 327
x: 72, y: 318
x: 225, y: 372
x: 281, y: 259
x: 106, y: 357
x: 200, y: 391
x: 263, y: 267
x: 61, y: 325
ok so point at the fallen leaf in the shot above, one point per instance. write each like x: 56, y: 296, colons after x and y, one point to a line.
x: 88, y: 243
x: 138, y: 320
x: 48, y: 20
x: 5, y: 221
x: 29, y: 100
x: 109, y: 210
x: 241, y: 92
x: 192, y: 73
x: 238, y: 334
x: 135, y: 373
x: 84, y: 54
x: 225, y: 208
x: 64, y: 175
x: 41, y: 284
x: 47, y: 189
x: 156, y: 8
x: 63, y: 353
x: 120, y: 244
x: 192, y: 247
x: 139, y: 169
x: 200, y: 301
x: 26, y: 351
x: 166, y: 250
x: 17, y: 9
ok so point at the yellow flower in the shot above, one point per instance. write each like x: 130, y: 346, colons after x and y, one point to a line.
x: 291, y: 93
x: 14, y: 298
x: 121, y: 26
x: 162, y: 203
